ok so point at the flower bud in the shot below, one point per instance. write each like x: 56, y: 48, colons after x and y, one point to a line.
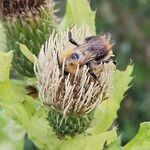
x: 28, y: 22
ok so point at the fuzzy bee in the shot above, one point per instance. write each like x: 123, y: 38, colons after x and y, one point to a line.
x: 94, y: 51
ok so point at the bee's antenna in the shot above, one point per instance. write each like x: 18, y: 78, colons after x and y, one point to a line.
x: 71, y: 40
x: 91, y: 73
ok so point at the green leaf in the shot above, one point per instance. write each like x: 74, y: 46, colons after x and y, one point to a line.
x: 27, y: 53
x: 95, y: 142
x: 107, y: 110
x: 12, y: 91
x: 3, y: 41
x: 33, y: 120
x: 41, y: 133
x: 43, y: 137
x: 5, y: 63
x: 78, y: 12
x: 11, y: 134
x: 23, y: 109
x: 142, y: 140
x: 116, y: 145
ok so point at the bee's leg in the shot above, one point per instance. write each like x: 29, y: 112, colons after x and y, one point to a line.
x: 58, y: 61
x: 115, y: 62
x: 107, y: 61
x: 71, y: 40
x: 59, y: 65
x: 91, y: 73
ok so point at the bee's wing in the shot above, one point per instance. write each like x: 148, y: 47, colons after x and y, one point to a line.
x: 93, y: 54
x: 92, y: 38
x: 87, y: 58
x: 89, y: 38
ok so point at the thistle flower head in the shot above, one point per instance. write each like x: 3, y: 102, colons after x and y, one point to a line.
x: 21, y: 9
x: 70, y: 99
x: 28, y: 22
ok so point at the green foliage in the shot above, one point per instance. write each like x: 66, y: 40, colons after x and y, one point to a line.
x: 71, y: 125
x: 32, y: 117
x: 95, y: 142
x: 27, y: 53
x: 12, y: 91
x: 5, y: 61
x: 128, y: 22
x: 3, y: 41
x: 78, y: 12
x: 29, y: 113
x: 11, y: 134
x: 32, y: 34
x: 141, y: 140
x: 115, y: 145
x: 107, y: 110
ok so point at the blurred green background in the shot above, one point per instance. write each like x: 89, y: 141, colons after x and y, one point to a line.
x: 129, y: 23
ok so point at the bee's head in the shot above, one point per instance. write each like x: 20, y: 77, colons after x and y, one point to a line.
x: 71, y: 59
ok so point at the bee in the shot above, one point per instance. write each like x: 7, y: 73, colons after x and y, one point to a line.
x: 92, y: 52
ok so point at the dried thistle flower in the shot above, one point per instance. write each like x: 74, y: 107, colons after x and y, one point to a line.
x: 29, y: 22
x: 70, y: 99
x: 22, y: 9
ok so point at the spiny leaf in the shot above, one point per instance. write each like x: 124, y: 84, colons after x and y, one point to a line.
x: 23, y: 109
x: 107, y: 110
x: 12, y: 91
x: 33, y: 121
x: 41, y: 133
x: 142, y: 140
x: 11, y: 134
x: 95, y: 142
x: 27, y: 53
x: 5, y: 63
x: 3, y: 41
x: 78, y: 12
x: 116, y: 145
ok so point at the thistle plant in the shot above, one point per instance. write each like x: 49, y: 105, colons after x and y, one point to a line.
x: 70, y: 99
x: 72, y: 111
x: 29, y: 23
x: 46, y: 122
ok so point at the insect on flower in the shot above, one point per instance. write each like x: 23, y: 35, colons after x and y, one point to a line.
x: 71, y: 99
x: 94, y: 51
